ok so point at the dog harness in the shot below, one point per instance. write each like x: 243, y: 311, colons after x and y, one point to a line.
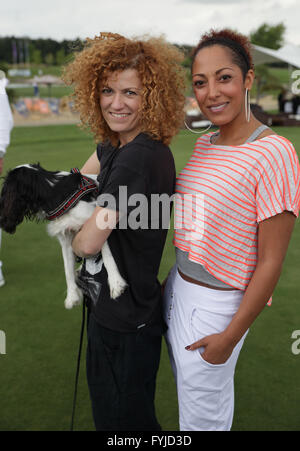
x: 86, y: 186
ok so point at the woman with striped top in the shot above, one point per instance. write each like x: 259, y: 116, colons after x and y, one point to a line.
x: 236, y: 204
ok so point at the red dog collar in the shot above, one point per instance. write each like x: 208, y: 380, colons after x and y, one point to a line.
x: 86, y: 185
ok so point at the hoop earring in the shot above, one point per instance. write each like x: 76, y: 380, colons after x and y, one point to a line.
x: 247, y: 105
x: 193, y: 131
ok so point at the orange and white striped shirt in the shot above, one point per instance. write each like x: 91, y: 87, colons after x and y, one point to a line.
x: 223, y: 193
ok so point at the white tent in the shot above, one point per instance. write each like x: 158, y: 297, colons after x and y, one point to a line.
x: 289, y: 54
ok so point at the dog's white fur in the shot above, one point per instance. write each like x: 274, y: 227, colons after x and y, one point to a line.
x: 61, y: 228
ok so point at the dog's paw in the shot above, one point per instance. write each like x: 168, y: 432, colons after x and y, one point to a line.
x: 74, y: 298
x: 117, y: 286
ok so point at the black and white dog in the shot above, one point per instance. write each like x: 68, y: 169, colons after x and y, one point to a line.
x: 66, y: 200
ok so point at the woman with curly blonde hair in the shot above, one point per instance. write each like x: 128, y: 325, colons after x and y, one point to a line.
x: 130, y: 93
x: 158, y: 66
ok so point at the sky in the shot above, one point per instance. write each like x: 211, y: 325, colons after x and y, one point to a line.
x: 181, y: 21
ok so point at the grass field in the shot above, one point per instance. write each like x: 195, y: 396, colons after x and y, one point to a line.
x: 44, y: 92
x: 282, y: 74
x: 38, y: 370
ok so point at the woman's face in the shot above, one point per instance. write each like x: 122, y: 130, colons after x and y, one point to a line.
x: 219, y: 86
x: 120, y: 102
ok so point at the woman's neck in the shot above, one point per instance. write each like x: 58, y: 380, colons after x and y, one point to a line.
x: 235, y: 134
x: 125, y: 138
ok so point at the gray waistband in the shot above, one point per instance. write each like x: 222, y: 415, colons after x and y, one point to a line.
x: 196, y: 271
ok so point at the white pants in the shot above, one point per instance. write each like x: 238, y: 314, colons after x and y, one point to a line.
x: 205, y: 391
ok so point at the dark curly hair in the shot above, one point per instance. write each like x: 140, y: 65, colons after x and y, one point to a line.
x: 158, y: 64
x: 237, y: 43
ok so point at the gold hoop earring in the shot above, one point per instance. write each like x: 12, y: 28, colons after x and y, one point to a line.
x: 193, y: 131
x: 247, y: 105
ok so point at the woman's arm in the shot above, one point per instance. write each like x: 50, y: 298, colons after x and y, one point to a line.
x: 92, y: 165
x: 273, y: 239
x: 89, y: 240
x: 94, y: 232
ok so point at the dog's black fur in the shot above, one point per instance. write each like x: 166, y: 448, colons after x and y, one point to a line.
x: 31, y: 192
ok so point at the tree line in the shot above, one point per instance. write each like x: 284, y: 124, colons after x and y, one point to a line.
x: 24, y: 50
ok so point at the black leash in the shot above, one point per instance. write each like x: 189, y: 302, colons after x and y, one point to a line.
x: 78, y: 363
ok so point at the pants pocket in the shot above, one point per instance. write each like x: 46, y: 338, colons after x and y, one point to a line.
x: 203, y: 324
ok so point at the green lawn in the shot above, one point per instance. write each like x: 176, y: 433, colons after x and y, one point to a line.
x: 44, y: 92
x: 38, y: 370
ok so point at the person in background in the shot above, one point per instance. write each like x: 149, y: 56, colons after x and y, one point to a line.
x: 36, y: 91
x: 6, y: 125
x: 282, y: 99
x: 240, y: 198
x: 295, y: 104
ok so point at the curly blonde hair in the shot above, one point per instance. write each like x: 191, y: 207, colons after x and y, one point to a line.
x: 158, y: 64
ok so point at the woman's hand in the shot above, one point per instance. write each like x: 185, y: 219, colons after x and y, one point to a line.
x: 217, y: 349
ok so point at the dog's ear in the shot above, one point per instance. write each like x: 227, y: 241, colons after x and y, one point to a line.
x: 13, y: 203
x: 10, y: 216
